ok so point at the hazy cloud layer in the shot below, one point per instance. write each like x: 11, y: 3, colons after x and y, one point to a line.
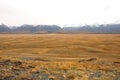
x: 60, y: 12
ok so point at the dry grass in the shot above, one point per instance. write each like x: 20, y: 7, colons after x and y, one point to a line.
x: 61, y: 45
x: 51, y: 53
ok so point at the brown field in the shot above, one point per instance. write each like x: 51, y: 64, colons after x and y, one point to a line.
x: 59, y: 56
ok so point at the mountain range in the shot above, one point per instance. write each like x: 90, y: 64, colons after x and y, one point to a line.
x: 39, y: 29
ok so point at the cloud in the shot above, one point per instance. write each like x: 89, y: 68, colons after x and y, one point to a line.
x: 59, y: 12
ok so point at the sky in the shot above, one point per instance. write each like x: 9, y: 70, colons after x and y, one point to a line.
x: 59, y: 12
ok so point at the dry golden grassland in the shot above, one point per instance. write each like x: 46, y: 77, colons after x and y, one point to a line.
x: 59, y: 56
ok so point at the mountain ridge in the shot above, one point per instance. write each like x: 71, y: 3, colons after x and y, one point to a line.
x: 26, y: 28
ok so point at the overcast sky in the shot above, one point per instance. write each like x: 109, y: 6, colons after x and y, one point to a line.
x: 59, y: 12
